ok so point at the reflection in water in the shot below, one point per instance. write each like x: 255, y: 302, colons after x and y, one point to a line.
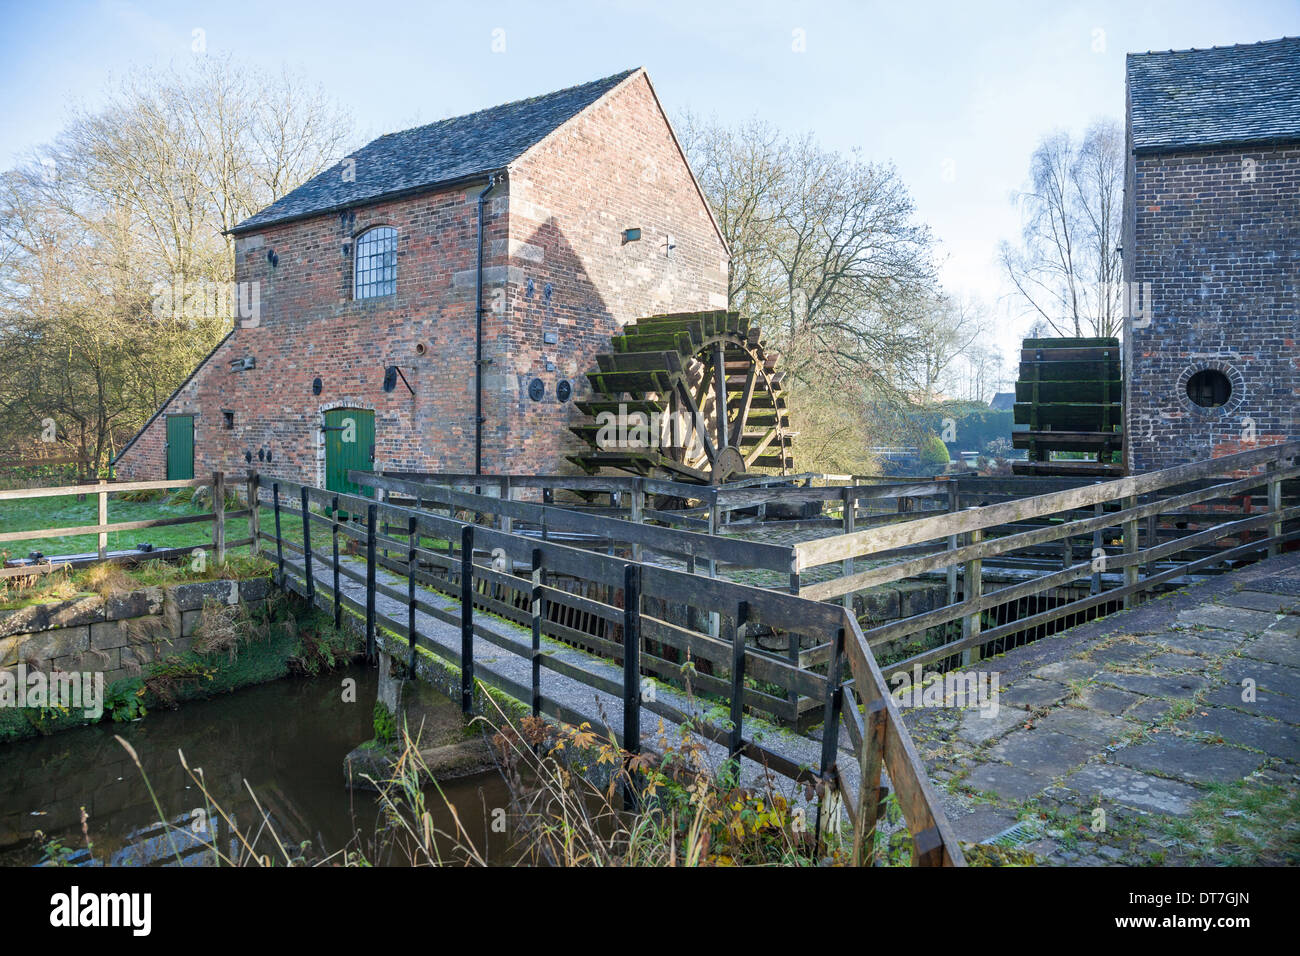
x: 287, y: 739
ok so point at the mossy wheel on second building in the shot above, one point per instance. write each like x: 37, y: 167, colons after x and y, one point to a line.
x: 1070, y: 398
x: 692, y: 397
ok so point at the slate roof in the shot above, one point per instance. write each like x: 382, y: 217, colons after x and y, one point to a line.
x: 1003, y: 401
x: 1223, y: 95
x: 439, y: 153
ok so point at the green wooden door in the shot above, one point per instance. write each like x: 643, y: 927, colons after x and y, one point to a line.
x: 349, y: 446
x: 180, y: 446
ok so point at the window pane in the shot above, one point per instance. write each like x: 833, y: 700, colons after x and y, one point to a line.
x: 376, y: 263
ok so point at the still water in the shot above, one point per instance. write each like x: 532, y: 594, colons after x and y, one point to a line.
x: 287, y: 739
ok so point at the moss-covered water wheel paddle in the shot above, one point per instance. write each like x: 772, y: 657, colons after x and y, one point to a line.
x: 1070, y: 396
x: 692, y: 397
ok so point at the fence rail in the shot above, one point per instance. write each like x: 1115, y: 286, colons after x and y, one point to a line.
x: 1136, y: 534
x: 439, y: 552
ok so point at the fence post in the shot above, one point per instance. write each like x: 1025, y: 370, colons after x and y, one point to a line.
x: 1152, y: 539
x: 850, y: 524
x: 413, y: 530
x: 548, y: 498
x: 830, y: 729
x: 334, y: 533
x: 103, y: 519
x: 631, y: 671
x: 219, y: 515
x: 254, y: 525
x: 1130, y: 550
x: 870, y: 762
x: 972, y: 589
x: 279, y: 540
x: 467, y: 619
x: 715, y: 520
x: 638, y: 512
x: 539, y: 615
x: 738, y: 679
x: 1095, y: 588
x: 505, y: 493
x: 954, y: 502
x: 306, y: 546
x: 371, y: 514
x: 1275, y: 507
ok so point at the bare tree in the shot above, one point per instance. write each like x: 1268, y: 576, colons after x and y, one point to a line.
x: 1066, y: 269
x: 827, y: 255
x: 945, y: 331
x: 130, y: 200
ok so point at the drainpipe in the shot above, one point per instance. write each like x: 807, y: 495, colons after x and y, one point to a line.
x: 478, y: 332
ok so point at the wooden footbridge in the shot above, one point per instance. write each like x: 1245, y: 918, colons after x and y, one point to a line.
x: 590, y: 590
x: 737, y: 608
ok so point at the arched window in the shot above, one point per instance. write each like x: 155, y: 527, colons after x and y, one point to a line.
x: 376, y: 263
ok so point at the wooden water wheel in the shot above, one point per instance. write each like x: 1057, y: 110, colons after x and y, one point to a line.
x: 692, y: 397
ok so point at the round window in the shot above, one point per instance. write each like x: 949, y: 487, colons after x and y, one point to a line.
x: 1209, y: 388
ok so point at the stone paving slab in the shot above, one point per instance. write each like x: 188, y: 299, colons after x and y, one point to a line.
x: 1086, y: 724
x: 1273, y: 737
x: 1132, y: 788
x: 1180, y: 757
x: 1138, y: 713
x: 1157, y: 685
x: 1033, y: 692
x: 1271, y: 705
x: 1043, y: 751
x: 1276, y: 647
x: 1122, y: 652
x: 1178, y: 663
x: 978, y: 726
x: 1107, y: 700
x: 1261, y: 601
x: 1068, y: 670
x: 1014, y: 784
x: 1267, y: 676
x: 1226, y: 618
x: 1209, y: 643
x: 1148, y: 710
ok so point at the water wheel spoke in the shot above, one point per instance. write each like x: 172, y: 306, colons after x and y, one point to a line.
x: 710, y: 374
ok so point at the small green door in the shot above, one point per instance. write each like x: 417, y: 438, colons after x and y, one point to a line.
x: 180, y: 446
x: 349, y: 446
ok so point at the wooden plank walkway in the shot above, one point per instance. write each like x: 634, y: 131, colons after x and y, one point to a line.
x: 1130, y: 740
x: 602, y: 708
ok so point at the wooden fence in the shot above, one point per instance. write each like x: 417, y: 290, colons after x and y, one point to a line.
x: 450, y: 554
x: 103, y: 492
x: 1136, y: 535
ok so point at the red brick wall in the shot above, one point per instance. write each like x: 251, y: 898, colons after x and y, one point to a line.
x: 557, y: 220
x: 1211, y: 236
x: 311, y: 326
x: 615, y: 166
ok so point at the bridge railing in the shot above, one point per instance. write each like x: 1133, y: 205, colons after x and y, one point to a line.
x: 650, y: 614
x: 1116, y: 539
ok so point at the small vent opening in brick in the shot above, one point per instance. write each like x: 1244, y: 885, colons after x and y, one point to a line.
x: 1209, y: 388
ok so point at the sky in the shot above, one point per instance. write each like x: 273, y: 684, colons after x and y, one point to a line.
x: 954, y: 94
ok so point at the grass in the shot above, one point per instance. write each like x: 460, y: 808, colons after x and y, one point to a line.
x: 67, y: 511
x: 1244, y: 823
x: 105, y: 578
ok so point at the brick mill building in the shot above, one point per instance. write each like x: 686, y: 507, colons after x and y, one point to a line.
x: 370, y: 274
x: 1211, y: 252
